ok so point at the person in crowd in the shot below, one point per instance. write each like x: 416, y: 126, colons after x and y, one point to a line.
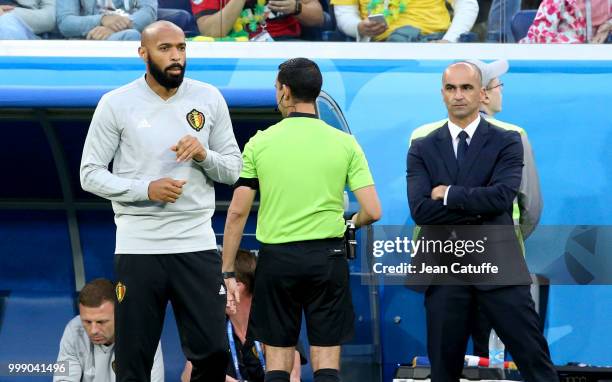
x: 567, y: 22
x: 404, y: 21
x: 26, y: 19
x: 105, y: 19
x: 258, y: 20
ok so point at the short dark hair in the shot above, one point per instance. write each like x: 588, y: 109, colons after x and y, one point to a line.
x: 96, y: 292
x: 245, y: 264
x: 303, y: 77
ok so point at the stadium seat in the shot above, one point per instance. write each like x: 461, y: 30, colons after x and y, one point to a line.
x: 178, y: 12
x: 176, y: 4
x: 521, y: 23
x: 97, y: 229
x: 468, y: 37
x: 36, y: 252
x: 184, y: 19
x: 31, y: 327
x: 25, y: 185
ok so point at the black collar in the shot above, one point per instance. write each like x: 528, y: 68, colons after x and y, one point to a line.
x: 305, y: 115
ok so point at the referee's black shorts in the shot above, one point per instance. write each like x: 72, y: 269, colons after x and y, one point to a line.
x: 310, y: 276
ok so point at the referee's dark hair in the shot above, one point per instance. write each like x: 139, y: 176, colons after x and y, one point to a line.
x: 245, y: 264
x: 303, y: 77
x: 96, y: 292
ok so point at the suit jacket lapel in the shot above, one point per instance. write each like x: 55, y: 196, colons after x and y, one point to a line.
x: 476, y: 144
x: 447, y: 153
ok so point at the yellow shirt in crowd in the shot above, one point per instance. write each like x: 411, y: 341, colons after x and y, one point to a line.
x: 429, y: 16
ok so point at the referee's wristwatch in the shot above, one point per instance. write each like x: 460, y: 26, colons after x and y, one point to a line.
x: 229, y: 275
x: 298, y: 7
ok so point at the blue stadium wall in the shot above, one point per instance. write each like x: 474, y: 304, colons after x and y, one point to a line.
x: 561, y: 95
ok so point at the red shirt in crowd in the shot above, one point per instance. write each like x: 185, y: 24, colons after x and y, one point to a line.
x: 283, y: 26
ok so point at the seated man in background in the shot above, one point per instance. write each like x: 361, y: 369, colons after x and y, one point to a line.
x: 256, y: 19
x: 247, y: 360
x: 87, y: 346
x: 25, y: 19
x: 105, y: 19
x: 404, y: 21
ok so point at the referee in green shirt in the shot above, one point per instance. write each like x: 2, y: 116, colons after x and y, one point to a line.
x: 300, y: 166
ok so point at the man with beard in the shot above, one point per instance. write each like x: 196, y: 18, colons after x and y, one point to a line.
x: 168, y: 139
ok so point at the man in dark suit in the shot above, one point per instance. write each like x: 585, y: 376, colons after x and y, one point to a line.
x: 468, y: 172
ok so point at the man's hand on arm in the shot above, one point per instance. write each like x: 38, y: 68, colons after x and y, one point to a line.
x: 286, y: 7
x: 116, y: 23
x: 166, y: 190
x: 438, y: 192
x: 502, y: 187
x: 602, y: 33
x: 188, y: 148
x: 423, y: 209
x: 5, y: 9
x: 308, y: 12
x: 99, y: 33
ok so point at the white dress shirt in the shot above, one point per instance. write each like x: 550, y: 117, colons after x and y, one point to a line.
x: 454, y: 132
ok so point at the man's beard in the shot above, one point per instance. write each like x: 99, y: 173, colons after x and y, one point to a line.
x: 169, y: 81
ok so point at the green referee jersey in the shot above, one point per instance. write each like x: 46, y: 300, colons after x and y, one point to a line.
x: 302, y: 166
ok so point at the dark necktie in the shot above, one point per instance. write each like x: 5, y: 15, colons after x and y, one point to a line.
x: 462, y: 148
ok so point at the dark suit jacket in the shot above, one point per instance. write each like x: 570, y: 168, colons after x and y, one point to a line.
x: 481, y: 192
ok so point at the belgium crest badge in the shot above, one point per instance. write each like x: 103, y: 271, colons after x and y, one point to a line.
x: 196, y: 119
x: 120, y: 291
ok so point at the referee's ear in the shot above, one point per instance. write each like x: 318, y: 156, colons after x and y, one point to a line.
x: 287, y: 92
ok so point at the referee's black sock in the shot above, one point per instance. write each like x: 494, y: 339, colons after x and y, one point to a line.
x: 277, y: 376
x: 326, y: 375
